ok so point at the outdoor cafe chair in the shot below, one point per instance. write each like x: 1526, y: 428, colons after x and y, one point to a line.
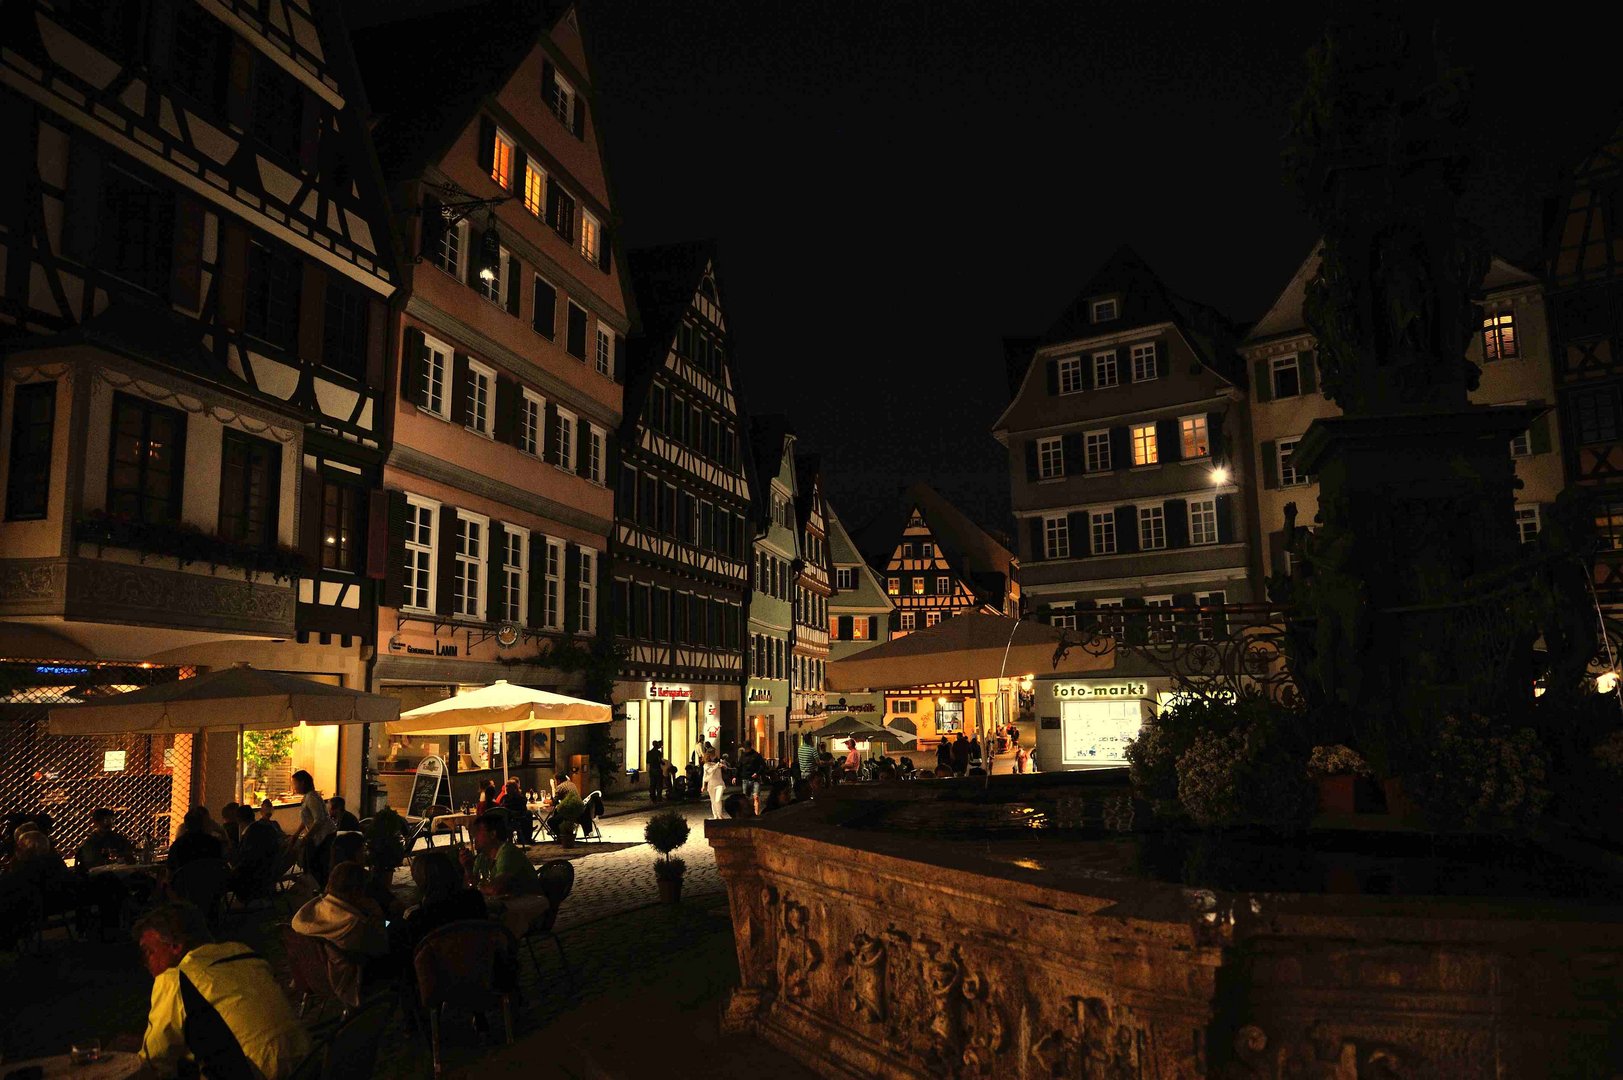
x: 310, y: 962
x: 351, y: 1050
x: 557, y: 877
x: 202, y: 884
x: 594, y: 814
x: 456, y: 965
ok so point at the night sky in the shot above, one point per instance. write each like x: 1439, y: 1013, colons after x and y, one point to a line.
x: 895, y: 186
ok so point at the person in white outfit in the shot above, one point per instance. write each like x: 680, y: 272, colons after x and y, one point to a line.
x: 715, y: 782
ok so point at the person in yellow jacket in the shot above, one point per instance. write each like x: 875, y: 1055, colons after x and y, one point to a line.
x: 216, y: 1003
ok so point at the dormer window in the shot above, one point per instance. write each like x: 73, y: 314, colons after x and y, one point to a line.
x: 1103, y: 310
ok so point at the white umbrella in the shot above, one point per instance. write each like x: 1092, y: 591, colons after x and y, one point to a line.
x: 500, y: 708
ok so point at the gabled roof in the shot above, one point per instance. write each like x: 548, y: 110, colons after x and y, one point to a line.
x: 808, y: 468
x: 663, y: 281
x: 1017, y: 354
x: 426, y: 77
x: 1145, y: 301
x: 986, y: 565
x: 768, y: 438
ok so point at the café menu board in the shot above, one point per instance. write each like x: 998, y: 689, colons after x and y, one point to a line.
x: 425, y: 788
x: 1099, y: 734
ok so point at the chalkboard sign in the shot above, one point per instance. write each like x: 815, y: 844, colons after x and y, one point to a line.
x: 1050, y: 723
x: 425, y: 789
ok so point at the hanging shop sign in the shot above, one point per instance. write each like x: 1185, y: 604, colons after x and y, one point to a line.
x: 1077, y: 691
x: 712, y: 722
x: 669, y: 691
x: 760, y: 695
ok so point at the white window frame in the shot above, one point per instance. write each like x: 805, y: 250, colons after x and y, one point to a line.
x: 531, y: 169
x: 1104, y: 370
x: 481, y: 373
x: 1284, y: 451
x: 413, y: 546
x: 441, y: 361
x: 1287, y: 362
x: 552, y: 586
x: 531, y: 406
x: 564, y: 433
x: 927, y: 551
x: 453, y: 243
x: 589, y: 240
x: 1205, y: 624
x: 1112, y: 625
x: 1521, y: 444
x: 918, y: 585
x: 564, y: 102
x: 1096, y: 451
x: 1056, y: 537
x: 605, y: 349
x: 521, y: 569
x: 1494, y: 325
x: 908, y: 621
x: 1051, y: 458
x: 1070, y: 375
x: 1102, y: 525
x: 479, y: 562
x: 907, y: 551
x: 1163, y: 629
x: 1062, y: 616
x: 1104, y: 310
x: 845, y: 578
x: 596, y: 447
x: 1141, y: 359
x: 495, y: 290
x: 1195, y: 422
x: 1202, y: 521
x: 893, y: 586
x: 1149, y: 515
x: 1146, y: 450
x: 943, y: 585
x: 932, y: 617
x: 1526, y: 512
x: 497, y: 158
x: 587, y: 623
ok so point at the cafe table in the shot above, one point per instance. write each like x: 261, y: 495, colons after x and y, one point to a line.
x: 112, y: 1065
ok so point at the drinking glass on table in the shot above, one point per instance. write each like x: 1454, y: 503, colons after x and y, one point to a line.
x: 85, y: 1051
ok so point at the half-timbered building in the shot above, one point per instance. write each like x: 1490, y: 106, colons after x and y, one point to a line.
x: 1584, y: 287
x: 681, y: 547
x: 859, y: 616
x: 507, y: 375
x: 814, y: 584
x: 1126, y: 489
x: 196, y: 261
x: 936, y: 563
x: 768, y: 654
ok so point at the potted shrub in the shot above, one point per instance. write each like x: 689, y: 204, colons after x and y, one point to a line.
x: 568, y: 814
x: 665, y: 833
x: 1342, y: 776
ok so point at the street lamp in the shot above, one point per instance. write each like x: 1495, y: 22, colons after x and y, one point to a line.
x: 1220, y: 474
x: 490, y: 253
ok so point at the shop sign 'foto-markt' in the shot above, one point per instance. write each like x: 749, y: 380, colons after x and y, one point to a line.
x: 1081, y: 690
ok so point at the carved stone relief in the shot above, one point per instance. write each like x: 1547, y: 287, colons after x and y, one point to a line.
x: 1316, y: 1055
x: 1099, y: 1040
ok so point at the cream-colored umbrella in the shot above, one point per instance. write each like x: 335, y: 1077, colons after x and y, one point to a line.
x: 498, y: 709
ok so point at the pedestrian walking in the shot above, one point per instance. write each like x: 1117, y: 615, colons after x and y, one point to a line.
x: 715, y: 783
x: 1021, y: 755
x: 943, y: 758
x: 960, y: 755
x: 656, y: 771
x: 806, y: 756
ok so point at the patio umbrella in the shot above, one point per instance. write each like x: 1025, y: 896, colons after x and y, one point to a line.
x: 972, y: 646
x: 500, y: 708
x: 846, y: 727
x: 238, y: 698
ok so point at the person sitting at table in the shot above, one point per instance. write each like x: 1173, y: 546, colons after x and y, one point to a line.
x: 489, y: 799
x: 348, y: 918
x: 228, y: 827
x: 498, y: 868
x: 196, y: 840
x: 517, y: 808
x: 341, y: 817
x: 267, y: 814
x: 256, y: 864
x: 104, y: 844
x: 38, y: 867
x: 216, y: 1007
x: 444, y: 896
x: 350, y: 847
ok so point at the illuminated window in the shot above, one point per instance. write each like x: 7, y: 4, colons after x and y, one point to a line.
x: 1196, y: 442
x: 1287, y: 376
x: 591, y: 237
x: 1288, y: 474
x: 918, y: 585
x: 535, y: 190
x: 1144, y: 448
x: 1152, y: 528
x: 1203, y: 521
x: 531, y: 411
x: 1144, y: 362
x: 1104, y: 369
x: 422, y: 519
x: 1499, y: 336
x: 512, y: 601
x: 1102, y: 531
x: 1070, y: 375
x: 468, y: 588
x: 1102, y: 310
x: 1050, y: 458
x: 343, y: 508
x: 893, y: 586
x: 1056, y: 538
x: 478, y: 406
x: 1096, y: 451
x: 1527, y: 523
x: 501, y: 160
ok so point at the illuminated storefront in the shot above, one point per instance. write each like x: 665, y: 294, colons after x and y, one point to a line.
x: 1086, y: 723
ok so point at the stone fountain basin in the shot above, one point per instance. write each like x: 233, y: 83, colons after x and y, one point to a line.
x: 918, y: 930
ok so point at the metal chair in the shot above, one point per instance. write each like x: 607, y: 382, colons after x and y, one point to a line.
x: 456, y: 965
x: 557, y: 877
x: 594, y: 812
x: 309, y: 962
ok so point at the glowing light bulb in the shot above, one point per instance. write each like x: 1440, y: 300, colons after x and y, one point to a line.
x: 1220, y: 475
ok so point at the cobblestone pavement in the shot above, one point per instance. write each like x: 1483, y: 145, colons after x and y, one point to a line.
x: 618, y: 881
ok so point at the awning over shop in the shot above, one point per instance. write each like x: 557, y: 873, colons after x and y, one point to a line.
x: 971, y: 646
x: 235, y: 698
